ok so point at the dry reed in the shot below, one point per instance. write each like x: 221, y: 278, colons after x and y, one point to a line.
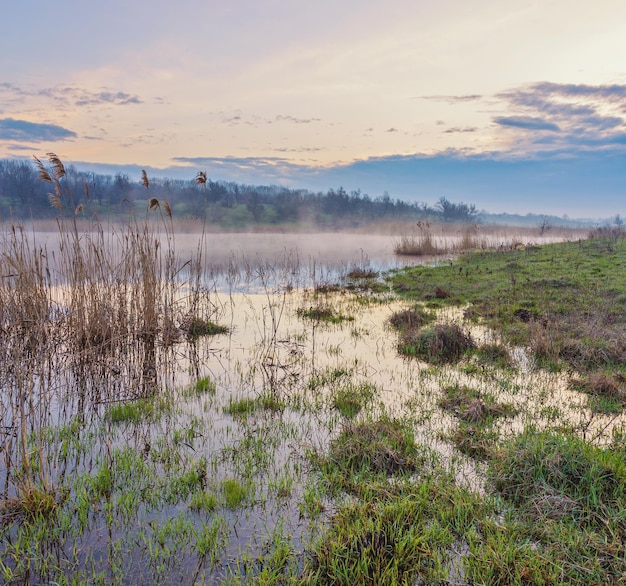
x: 84, y: 322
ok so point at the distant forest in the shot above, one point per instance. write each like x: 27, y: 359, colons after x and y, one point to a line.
x: 25, y: 196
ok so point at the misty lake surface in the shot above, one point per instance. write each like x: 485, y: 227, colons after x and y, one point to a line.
x: 312, y: 257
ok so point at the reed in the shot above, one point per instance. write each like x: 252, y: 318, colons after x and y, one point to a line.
x: 84, y: 320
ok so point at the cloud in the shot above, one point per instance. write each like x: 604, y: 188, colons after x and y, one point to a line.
x: 579, y: 116
x: 19, y: 147
x: 613, y: 92
x: 459, y: 129
x: 246, y: 169
x: 281, y: 118
x: 298, y: 149
x: 23, y: 131
x: 527, y: 122
x: 71, y: 96
x: 453, y: 99
x: 115, y: 98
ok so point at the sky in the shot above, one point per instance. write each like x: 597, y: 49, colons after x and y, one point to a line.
x: 515, y: 106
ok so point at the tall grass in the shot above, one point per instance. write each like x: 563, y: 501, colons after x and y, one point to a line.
x: 85, y: 320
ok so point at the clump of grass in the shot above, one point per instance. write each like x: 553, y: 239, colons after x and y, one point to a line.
x: 32, y: 501
x: 370, y: 449
x: 405, y: 537
x: 203, y: 385
x: 137, y: 410
x: 325, y: 288
x: 323, y: 313
x: 235, y: 493
x: 362, y: 273
x: 475, y: 411
x: 196, y: 327
x: 350, y: 399
x: 242, y: 408
x: 443, y: 343
x: 494, y: 355
x: 568, y: 499
x: 471, y: 406
x: 270, y: 402
x: 203, y: 501
x: 328, y: 377
x: 474, y: 440
x: 607, y: 392
x: 128, y: 412
x: 412, y: 318
x: 562, y: 476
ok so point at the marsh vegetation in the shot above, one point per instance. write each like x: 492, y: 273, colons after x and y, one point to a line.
x: 166, y: 421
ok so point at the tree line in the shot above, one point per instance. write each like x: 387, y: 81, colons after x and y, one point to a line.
x: 227, y: 204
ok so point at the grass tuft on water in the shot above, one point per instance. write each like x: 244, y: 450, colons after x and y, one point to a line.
x: 368, y: 451
x: 440, y: 344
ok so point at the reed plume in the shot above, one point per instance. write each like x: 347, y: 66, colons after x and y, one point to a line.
x: 201, y: 178
x: 57, y: 166
x: 42, y: 171
x: 55, y: 201
x: 167, y: 208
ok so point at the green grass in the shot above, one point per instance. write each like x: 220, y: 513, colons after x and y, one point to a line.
x: 203, y: 501
x: 607, y: 392
x: 196, y: 327
x: 235, y: 492
x: 325, y: 314
x: 138, y: 410
x: 472, y: 406
x: 242, y: 408
x: 367, y: 451
x: 407, y: 535
x: 410, y: 319
x: 328, y: 377
x: 565, y: 301
x: 197, y: 497
x: 351, y: 398
x: 204, y: 385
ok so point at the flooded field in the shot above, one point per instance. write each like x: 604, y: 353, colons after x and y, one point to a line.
x: 166, y: 400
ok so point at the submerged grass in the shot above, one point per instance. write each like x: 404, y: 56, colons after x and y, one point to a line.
x: 324, y: 313
x: 350, y: 399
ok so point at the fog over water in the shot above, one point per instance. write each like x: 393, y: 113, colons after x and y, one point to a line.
x: 309, y: 257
